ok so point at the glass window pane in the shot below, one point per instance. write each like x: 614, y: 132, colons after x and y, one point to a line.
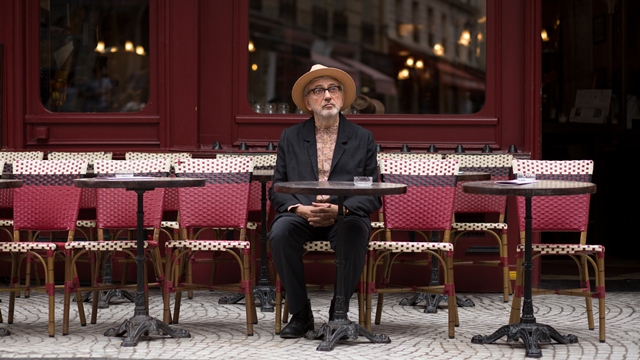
x: 412, y: 56
x: 94, y: 55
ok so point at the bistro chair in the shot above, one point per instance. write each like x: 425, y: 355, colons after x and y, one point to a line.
x: 6, y: 195
x: 88, y: 202
x: 259, y: 162
x: 10, y: 156
x: 47, y: 204
x: 213, y: 220
x: 426, y: 207
x: 490, y: 210
x: 169, y: 224
x: 567, y: 214
x: 116, y: 211
x: 379, y: 222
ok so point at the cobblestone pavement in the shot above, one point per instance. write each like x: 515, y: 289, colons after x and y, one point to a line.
x: 218, y: 331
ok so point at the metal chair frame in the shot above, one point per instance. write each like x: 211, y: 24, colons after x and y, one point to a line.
x: 427, y: 206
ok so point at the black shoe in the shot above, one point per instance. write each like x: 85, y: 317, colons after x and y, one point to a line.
x: 300, y: 323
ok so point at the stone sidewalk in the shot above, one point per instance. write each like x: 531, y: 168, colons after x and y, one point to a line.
x: 218, y: 331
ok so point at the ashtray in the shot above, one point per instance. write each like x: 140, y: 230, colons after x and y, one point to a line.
x: 124, y: 173
x: 362, y: 180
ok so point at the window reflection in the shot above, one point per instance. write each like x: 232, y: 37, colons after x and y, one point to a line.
x: 94, y: 55
x: 411, y: 56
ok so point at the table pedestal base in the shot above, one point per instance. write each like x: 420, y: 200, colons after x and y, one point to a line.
x: 333, y: 331
x: 531, y: 335
x: 105, y: 298
x: 266, y: 296
x: 230, y: 299
x: 140, y: 325
x: 433, y: 301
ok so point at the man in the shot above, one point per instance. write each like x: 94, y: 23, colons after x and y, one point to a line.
x: 326, y: 147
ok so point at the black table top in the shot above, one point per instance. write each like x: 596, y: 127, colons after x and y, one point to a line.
x: 538, y: 188
x: 139, y: 183
x: 264, y: 175
x: 338, y: 188
x: 472, y: 176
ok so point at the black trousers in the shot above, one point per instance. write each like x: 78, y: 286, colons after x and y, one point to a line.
x: 289, y: 233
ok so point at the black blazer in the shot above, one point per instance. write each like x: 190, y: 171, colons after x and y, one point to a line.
x: 354, y: 155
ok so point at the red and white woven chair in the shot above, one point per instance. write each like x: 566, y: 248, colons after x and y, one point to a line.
x: 259, y: 162
x: 170, y: 217
x: 426, y: 207
x: 6, y: 195
x: 562, y: 214
x: 88, y: 203
x: 47, y: 204
x: 116, y: 211
x: 491, y: 209
x: 207, y: 216
x: 379, y: 224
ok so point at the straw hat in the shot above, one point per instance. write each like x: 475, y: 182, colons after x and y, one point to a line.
x: 317, y: 70
x: 367, y: 105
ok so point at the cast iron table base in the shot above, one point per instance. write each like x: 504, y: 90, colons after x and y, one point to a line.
x: 141, y: 323
x: 528, y: 330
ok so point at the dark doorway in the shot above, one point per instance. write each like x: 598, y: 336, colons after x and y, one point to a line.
x: 590, y: 91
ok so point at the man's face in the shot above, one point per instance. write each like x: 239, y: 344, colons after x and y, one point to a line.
x: 324, y: 103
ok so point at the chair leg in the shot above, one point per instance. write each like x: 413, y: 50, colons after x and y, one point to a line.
x: 27, y: 275
x: 98, y: 269
x: 278, y: 314
x: 79, y: 299
x: 50, y: 285
x: 250, y: 308
x: 68, y: 281
x: 600, y: 289
x: 584, y: 283
x: 361, y: 295
x: 167, y: 285
x: 451, y: 296
x: 514, y: 317
x: 15, y: 260
x: 388, y: 260
x: 184, y: 256
x: 504, y: 260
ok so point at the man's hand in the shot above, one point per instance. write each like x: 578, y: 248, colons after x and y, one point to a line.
x: 319, y: 214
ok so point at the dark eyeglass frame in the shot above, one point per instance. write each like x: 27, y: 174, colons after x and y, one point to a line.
x: 319, y: 91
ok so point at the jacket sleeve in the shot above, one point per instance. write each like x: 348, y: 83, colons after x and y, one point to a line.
x: 280, y: 201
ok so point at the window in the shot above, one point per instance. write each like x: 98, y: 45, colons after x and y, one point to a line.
x: 94, y: 55
x: 408, y: 74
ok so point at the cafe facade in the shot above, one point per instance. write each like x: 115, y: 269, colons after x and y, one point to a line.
x: 213, y: 76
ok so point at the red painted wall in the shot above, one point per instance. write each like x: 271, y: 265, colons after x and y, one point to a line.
x: 199, y: 87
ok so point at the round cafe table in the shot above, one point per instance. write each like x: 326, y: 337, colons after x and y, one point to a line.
x: 8, y: 184
x: 528, y: 330
x: 340, y: 325
x: 141, y: 322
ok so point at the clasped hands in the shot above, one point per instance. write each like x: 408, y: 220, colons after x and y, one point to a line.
x: 320, y: 213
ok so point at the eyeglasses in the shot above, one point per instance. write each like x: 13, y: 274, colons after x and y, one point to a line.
x: 317, y: 92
